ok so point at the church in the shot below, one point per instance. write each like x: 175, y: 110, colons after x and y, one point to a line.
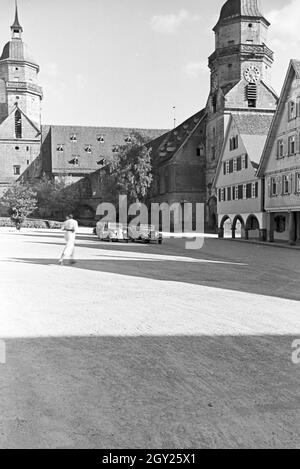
x: 185, y: 159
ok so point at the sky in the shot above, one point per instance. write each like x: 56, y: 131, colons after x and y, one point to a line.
x: 127, y: 63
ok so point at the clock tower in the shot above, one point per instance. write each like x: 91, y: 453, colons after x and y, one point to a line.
x: 240, y: 77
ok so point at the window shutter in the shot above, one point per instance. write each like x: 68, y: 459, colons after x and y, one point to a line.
x: 239, y: 164
x: 285, y: 147
x: 224, y: 168
x: 246, y: 161
x: 249, y: 190
x: 219, y: 195
x: 233, y: 193
x: 231, y: 166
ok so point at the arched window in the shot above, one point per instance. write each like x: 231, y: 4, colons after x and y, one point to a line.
x: 18, y: 124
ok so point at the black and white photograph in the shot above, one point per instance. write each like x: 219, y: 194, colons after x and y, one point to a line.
x: 149, y: 228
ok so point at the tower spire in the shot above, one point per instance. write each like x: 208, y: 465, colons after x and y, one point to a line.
x: 16, y: 27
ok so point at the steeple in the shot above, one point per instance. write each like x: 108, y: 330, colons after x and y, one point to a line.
x: 16, y: 28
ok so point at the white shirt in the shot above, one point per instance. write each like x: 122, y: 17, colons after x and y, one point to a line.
x: 70, y: 225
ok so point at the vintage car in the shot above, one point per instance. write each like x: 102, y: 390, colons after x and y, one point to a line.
x: 109, y: 231
x: 144, y: 233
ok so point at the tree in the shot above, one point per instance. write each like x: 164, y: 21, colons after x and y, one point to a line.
x: 57, y: 196
x: 130, y: 173
x: 20, y: 200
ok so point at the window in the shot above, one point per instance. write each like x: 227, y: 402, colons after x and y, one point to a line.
x: 234, y: 165
x: 280, y: 148
x: 229, y: 194
x: 297, y: 184
x: 231, y: 166
x: 27, y: 148
x: 227, y: 167
x: 60, y: 148
x: 213, y: 153
x: 18, y: 124
x: 214, y: 103
x: 251, y: 94
x: 253, y: 194
x: 88, y: 149
x: 285, y: 185
x: 292, y: 110
x: 249, y: 191
x: 17, y: 148
x: 240, y: 192
x: 233, y: 143
x: 244, y: 191
x: 27, y: 162
x: 245, y: 162
x: 239, y: 163
x: 236, y: 192
x: 273, y: 187
x: 17, y: 170
x: 73, y: 138
x: 76, y: 161
x: 292, y: 145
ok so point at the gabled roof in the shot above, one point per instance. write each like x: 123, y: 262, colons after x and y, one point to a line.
x: 294, y: 68
x: 253, y: 130
x: 165, y: 147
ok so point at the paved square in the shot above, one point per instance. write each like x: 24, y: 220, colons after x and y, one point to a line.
x: 148, y: 346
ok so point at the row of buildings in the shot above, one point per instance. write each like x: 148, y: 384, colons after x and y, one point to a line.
x: 258, y: 176
x: 239, y: 155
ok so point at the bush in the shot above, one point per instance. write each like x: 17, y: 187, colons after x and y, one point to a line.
x: 31, y: 223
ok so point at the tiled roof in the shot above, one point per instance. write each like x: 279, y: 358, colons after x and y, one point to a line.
x: 166, y: 146
x: 253, y: 124
x: 296, y: 65
x: 90, y: 144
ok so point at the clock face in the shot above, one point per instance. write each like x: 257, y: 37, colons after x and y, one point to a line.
x: 252, y: 74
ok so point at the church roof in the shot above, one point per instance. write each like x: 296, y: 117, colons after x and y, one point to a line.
x: 17, y: 51
x: 167, y: 145
x: 238, y: 8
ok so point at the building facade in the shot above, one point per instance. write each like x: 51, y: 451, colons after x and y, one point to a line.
x: 20, y: 110
x: 280, y: 164
x: 239, y: 190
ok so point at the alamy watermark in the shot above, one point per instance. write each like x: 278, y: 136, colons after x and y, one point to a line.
x: 296, y: 352
x: 2, y: 352
x: 186, y: 220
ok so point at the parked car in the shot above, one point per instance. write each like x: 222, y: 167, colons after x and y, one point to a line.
x: 109, y: 231
x: 144, y: 233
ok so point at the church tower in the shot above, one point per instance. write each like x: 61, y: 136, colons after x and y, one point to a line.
x: 240, y: 76
x: 20, y: 108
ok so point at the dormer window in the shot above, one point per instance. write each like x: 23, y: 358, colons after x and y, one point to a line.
x: 88, y: 149
x: 60, y: 148
x: 101, y: 162
x: 115, y: 149
x: 75, y: 161
x: 128, y: 139
x: 73, y: 138
x: 100, y: 138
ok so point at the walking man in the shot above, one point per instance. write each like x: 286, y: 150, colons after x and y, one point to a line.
x: 70, y: 227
